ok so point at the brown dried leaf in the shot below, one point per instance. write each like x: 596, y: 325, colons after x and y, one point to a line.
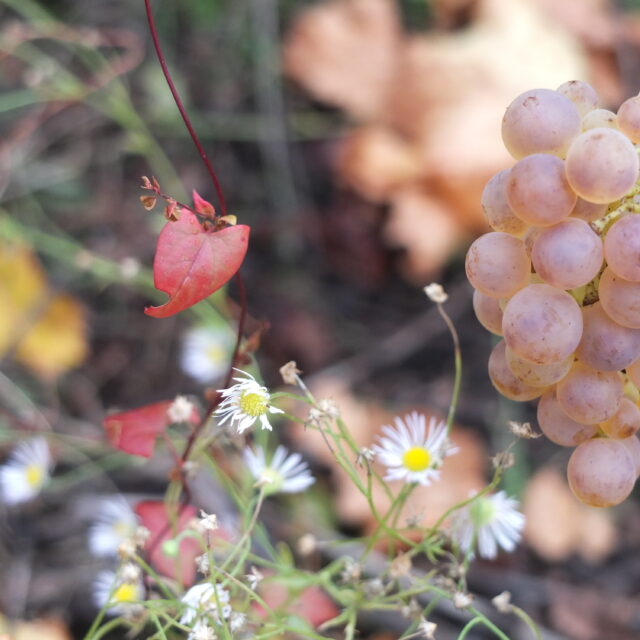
x: 345, y: 53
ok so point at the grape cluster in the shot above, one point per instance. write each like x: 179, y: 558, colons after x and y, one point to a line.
x: 559, y: 279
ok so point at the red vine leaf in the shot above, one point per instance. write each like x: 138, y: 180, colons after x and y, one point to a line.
x: 135, y: 431
x: 163, y: 527
x: 191, y: 263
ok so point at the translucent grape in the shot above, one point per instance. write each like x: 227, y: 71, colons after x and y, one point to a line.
x: 599, y: 118
x: 538, y: 191
x: 620, y: 299
x: 540, y: 121
x: 622, y: 247
x: 602, y: 165
x: 601, y: 472
x: 537, y: 375
x: 583, y: 95
x: 589, y: 396
x: 497, y: 264
x: 589, y: 211
x: 488, y: 312
x: 568, y: 254
x: 529, y: 238
x: 542, y: 324
x: 558, y: 426
x: 606, y: 345
x: 505, y: 382
x: 624, y: 422
x: 633, y: 447
x: 633, y: 371
x: 497, y: 209
x: 629, y: 118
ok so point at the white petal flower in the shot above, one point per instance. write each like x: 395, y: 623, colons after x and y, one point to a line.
x: 121, y: 596
x: 490, y: 522
x: 206, y: 352
x: 180, y: 410
x: 202, y: 631
x: 237, y: 621
x: 26, y: 472
x: 244, y: 403
x: 286, y: 473
x: 205, y: 600
x: 411, y: 452
x: 115, y: 524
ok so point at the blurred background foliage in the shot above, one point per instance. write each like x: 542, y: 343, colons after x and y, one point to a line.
x: 355, y: 137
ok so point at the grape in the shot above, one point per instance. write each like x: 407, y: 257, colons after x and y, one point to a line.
x: 529, y: 238
x: 497, y: 209
x: 583, y: 95
x: 624, y: 422
x: 601, y: 472
x: 488, y: 312
x: 568, y: 254
x: 537, y: 375
x: 622, y: 247
x: 497, y: 264
x: 589, y: 211
x: 633, y: 371
x: 601, y: 165
x: 599, y: 118
x: 633, y: 447
x: 505, y: 382
x: 540, y: 121
x: 606, y: 345
x: 629, y: 118
x: 538, y: 191
x: 558, y: 426
x: 620, y: 299
x: 542, y: 324
x: 589, y: 396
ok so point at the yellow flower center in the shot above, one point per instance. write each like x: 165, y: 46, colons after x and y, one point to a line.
x: 482, y: 512
x: 122, y: 529
x: 416, y: 459
x: 125, y: 593
x: 215, y: 353
x: 253, y: 404
x: 34, y: 474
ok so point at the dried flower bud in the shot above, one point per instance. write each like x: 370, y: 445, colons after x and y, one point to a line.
x: 502, y: 602
x: 307, y: 544
x: 401, y: 566
x: 522, y: 430
x: 290, y: 373
x: 436, y: 293
x: 461, y: 600
x: 148, y: 202
x: 427, y: 629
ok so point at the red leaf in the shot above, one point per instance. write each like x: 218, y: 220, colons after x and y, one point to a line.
x: 191, y: 263
x: 203, y: 207
x: 135, y: 431
x: 156, y: 517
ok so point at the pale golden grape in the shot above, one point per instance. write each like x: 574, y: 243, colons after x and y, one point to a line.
x: 497, y: 264
x: 582, y: 94
x: 599, y: 118
x: 622, y: 247
x: 497, y: 209
x: 633, y: 447
x: 602, y: 165
x: 624, y: 422
x: 540, y: 121
x: 620, y: 299
x: 589, y: 396
x: 488, y: 312
x: 504, y: 380
x: 629, y: 118
x: 601, y: 472
x: 589, y: 211
x: 537, y: 375
x: 568, y: 254
x: 542, y: 324
x: 606, y: 345
x: 558, y: 426
x: 538, y: 191
x: 633, y: 371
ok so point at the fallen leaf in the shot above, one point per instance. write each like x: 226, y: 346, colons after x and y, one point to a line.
x: 191, y: 263
x: 557, y: 525
x: 164, y: 526
x: 135, y: 431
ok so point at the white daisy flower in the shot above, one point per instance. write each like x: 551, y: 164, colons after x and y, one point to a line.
x: 206, y: 352
x: 203, y: 601
x: 115, y: 524
x: 411, y: 452
x: 244, y: 403
x: 202, y: 631
x: 26, y: 472
x: 121, y: 596
x: 488, y: 522
x: 286, y: 473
